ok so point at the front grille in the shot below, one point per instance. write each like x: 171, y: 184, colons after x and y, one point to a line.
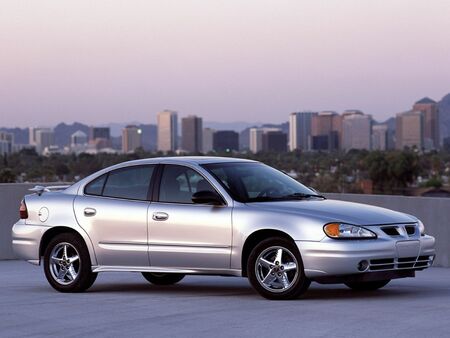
x: 391, y: 231
x: 406, y: 230
x: 400, y: 263
x: 410, y: 229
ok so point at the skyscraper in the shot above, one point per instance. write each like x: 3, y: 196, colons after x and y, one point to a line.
x: 256, y: 141
x: 6, y: 143
x: 208, y: 136
x: 380, y: 137
x: 226, y: 140
x: 356, y: 130
x: 274, y: 141
x: 267, y: 139
x: 44, y: 138
x: 192, y: 134
x: 300, y: 130
x: 167, y: 130
x: 409, y: 130
x: 326, y: 131
x: 429, y: 109
x: 131, y: 138
x: 100, y: 137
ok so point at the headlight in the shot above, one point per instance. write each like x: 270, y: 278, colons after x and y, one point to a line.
x: 421, y: 227
x: 347, y: 231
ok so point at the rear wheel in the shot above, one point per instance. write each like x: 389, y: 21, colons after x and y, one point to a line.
x: 275, y: 270
x: 367, y: 286
x: 163, y: 278
x: 67, y: 264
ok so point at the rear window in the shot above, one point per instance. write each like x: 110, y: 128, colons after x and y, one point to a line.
x: 127, y: 183
x: 96, y: 186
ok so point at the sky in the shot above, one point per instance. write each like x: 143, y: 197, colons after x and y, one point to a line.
x: 232, y: 60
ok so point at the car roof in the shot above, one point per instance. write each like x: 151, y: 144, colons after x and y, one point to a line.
x: 185, y: 160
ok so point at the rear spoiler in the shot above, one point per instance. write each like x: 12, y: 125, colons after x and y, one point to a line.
x: 40, y: 189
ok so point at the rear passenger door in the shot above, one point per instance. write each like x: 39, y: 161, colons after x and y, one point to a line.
x: 113, y: 211
x: 183, y: 234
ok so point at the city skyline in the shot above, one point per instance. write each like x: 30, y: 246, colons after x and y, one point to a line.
x: 231, y: 61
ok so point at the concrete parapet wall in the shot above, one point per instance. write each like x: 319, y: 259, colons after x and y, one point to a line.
x: 434, y: 213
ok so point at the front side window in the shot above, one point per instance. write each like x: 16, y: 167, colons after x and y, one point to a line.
x: 256, y: 182
x: 127, y: 183
x: 179, y: 183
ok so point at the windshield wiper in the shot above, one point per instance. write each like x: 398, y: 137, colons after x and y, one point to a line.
x: 299, y: 195
x: 295, y: 196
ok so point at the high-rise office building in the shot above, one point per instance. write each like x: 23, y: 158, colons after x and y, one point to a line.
x: 78, y: 138
x: 267, y: 139
x: 44, y: 138
x: 300, y: 130
x: 256, y: 140
x: 356, y: 130
x: 409, y: 130
x: 207, y: 141
x: 192, y: 134
x: 6, y: 143
x: 379, y: 137
x: 429, y: 109
x: 326, y: 131
x: 99, y: 132
x: 274, y: 141
x: 167, y: 130
x: 131, y: 139
x: 100, y: 137
x: 226, y: 140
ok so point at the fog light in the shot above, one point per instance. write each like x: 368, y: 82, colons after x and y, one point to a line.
x: 363, y: 265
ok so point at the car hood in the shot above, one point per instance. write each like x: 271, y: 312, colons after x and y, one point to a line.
x: 337, y: 211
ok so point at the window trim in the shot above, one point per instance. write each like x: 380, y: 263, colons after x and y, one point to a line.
x: 157, y: 185
x: 149, y: 189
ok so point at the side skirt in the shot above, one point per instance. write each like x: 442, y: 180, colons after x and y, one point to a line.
x: 220, y: 272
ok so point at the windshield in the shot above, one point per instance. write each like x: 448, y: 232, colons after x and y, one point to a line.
x: 257, y: 182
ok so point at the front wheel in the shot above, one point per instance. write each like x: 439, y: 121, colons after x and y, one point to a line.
x: 67, y: 264
x: 367, y: 286
x: 163, y: 278
x: 275, y: 270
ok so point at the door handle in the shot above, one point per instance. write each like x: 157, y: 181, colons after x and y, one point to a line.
x: 160, y: 216
x: 89, y: 212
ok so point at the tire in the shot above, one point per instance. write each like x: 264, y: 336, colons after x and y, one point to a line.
x: 367, y: 286
x: 282, y: 281
x: 163, y: 278
x: 75, y: 274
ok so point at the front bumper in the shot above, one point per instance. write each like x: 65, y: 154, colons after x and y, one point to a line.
x: 331, y: 257
x: 26, y: 239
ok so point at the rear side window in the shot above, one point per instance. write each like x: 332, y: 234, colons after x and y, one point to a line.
x: 127, y: 183
x: 96, y: 186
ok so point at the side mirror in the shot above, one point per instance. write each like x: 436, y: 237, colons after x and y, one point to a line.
x: 207, y: 197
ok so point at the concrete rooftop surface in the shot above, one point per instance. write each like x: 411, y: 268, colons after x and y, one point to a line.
x: 125, y: 305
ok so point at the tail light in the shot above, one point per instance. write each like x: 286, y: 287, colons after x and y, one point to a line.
x: 23, y: 211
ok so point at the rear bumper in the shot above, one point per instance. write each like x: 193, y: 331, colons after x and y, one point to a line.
x: 331, y: 257
x: 26, y: 240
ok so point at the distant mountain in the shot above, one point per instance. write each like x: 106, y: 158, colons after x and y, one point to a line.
x: 236, y: 126
x: 20, y: 134
x: 444, y: 117
x: 64, y: 131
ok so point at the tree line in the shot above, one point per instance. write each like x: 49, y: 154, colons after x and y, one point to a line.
x: 390, y: 172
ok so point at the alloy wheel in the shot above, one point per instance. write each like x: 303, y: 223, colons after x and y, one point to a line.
x: 276, y: 269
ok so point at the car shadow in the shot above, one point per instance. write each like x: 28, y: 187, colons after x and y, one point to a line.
x: 315, y: 292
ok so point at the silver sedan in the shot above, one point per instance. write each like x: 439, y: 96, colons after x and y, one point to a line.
x: 169, y: 217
